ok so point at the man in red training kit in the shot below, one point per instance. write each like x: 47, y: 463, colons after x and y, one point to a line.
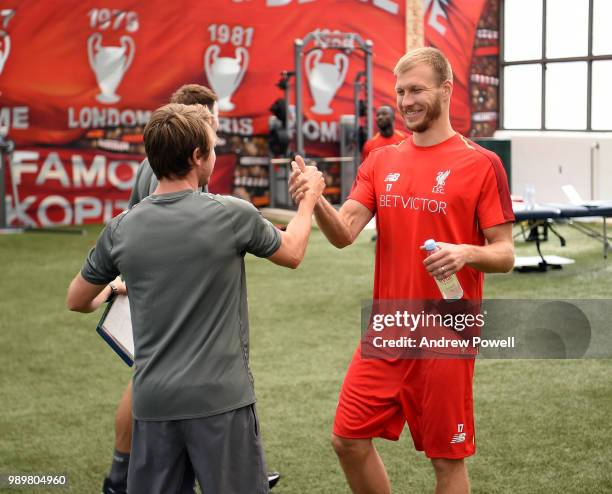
x: 387, y: 133
x: 435, y: 184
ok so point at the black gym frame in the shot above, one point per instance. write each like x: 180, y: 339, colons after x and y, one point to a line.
x: 589, y: 58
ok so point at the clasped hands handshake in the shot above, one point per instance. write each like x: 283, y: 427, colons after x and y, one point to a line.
x: 305, y: 182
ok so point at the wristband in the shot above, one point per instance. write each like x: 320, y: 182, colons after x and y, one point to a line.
x: 113, y: 292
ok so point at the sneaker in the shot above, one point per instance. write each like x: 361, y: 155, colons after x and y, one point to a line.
x: 109, y: 488
x: 273, y: 478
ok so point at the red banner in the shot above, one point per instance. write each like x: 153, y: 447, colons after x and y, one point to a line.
x: 67, y: 186
x: 71, y: 67
x: 77, y: 66
x: 58, y: 186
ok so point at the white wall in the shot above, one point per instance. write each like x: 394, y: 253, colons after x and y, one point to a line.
x: 549, y: 160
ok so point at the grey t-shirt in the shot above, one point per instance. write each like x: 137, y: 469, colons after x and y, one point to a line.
x: 145, y: 183
x: 182, y: 258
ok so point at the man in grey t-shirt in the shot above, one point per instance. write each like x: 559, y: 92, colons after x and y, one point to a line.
x: 144, y: 185
x: 181, y: 254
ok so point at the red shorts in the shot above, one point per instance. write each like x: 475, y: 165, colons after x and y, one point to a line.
x: 434, y: 396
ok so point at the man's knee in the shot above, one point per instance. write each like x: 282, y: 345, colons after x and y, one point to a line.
x: 351, y: 448
x: 445, y: 467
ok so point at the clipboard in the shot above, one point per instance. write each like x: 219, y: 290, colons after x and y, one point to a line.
x: 115, y: 327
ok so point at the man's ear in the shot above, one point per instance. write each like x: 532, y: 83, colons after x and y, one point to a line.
x: 447, y: 88
x: 196, y: 157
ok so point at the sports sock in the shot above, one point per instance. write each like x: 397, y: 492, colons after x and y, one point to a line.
x: 119, y: 469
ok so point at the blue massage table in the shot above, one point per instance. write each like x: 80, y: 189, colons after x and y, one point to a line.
x: 548, y: 214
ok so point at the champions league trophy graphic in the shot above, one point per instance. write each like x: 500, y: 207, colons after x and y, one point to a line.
x: 109, y: 63
x: 225, y: 73
x: 324, y: 79
x: 5, y: 40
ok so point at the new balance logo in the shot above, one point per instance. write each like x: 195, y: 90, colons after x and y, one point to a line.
x: 391, y: 178
x: 460, y: 436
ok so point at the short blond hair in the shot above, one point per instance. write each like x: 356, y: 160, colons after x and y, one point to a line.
x: 194, y: 94
x: 426, y: 56
x: 173, y: 132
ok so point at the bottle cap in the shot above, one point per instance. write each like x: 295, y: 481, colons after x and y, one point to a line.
x: 430, y: 244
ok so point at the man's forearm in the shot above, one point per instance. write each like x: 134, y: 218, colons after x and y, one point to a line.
x: 298, y: 229
x: 331, y: 224
x: 492, y: 258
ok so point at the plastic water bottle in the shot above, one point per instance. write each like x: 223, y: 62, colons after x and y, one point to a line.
x: 530, y: 198
x: 449, y: 286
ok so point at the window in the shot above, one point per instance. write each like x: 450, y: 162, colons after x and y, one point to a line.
x: 557, y: 65
x: 529, y: 44
x: 567, y: 28
x: 602, y: 96
x: 602, y: 34
x: 566, y: 95
x: 522, y: 104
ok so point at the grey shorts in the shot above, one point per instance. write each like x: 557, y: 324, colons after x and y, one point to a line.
x: 225, y: 451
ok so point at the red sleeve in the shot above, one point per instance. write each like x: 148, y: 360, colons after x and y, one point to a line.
x: 363, y: 187
x: 494, y: 204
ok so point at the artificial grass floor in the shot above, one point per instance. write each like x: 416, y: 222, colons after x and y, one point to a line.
x: 542, y: 426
